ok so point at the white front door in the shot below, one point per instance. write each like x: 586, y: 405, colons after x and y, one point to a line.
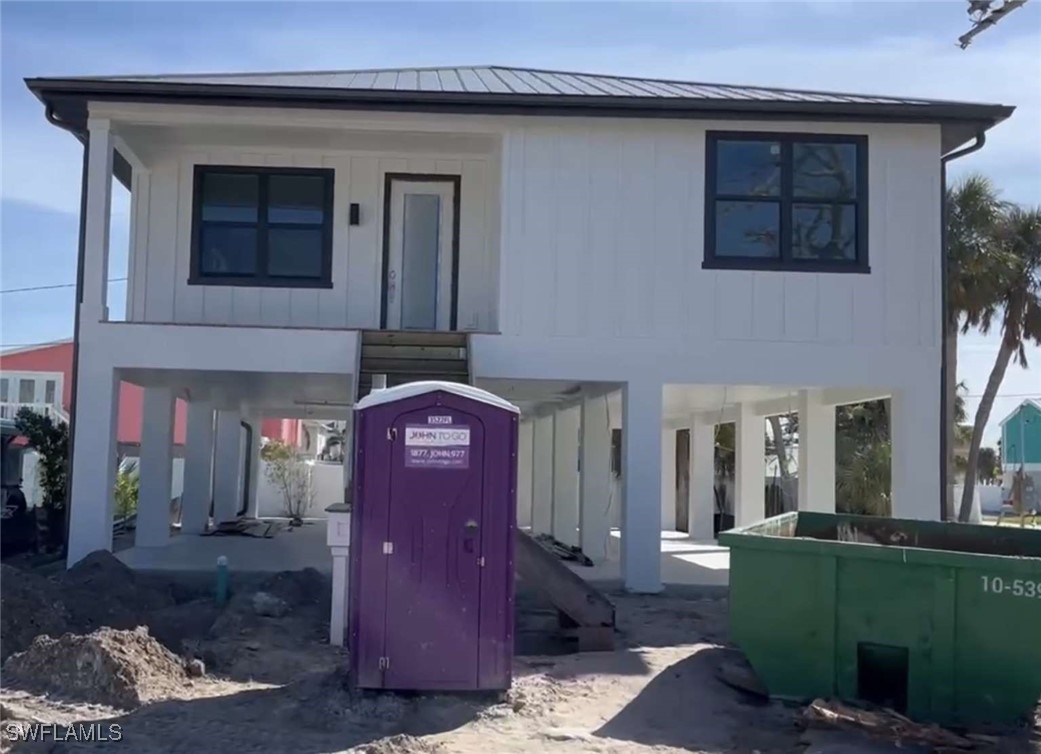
x: 420, y: 255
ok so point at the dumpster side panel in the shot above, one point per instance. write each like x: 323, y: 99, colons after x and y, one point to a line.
x: 783, y: 617
x: 945, y: 627
x: 892, y: 621
x: 998, y: 648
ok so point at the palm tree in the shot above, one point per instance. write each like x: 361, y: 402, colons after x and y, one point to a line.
x: 973, y: 212
x: 1017, y: 253
x: 863, y: 459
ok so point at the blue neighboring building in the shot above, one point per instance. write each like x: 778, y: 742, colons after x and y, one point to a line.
x: 1021, y: 436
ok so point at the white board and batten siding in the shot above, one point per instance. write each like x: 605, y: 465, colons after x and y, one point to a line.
x: 603, y: 237
x: 162, y: 229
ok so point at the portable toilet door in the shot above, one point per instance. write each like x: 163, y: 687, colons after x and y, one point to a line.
x: 432, y: 577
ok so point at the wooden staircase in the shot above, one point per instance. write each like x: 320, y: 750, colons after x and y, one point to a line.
x: 408, y: 356
x: 584, y: 613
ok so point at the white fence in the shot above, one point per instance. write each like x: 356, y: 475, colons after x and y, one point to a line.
x: 326, y: 484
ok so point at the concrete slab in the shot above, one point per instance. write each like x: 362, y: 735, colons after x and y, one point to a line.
x: 289, y: 550
x: 684, y: 562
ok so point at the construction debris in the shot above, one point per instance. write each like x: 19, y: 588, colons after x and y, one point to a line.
x: 884, y: 723
x: 563, y: 551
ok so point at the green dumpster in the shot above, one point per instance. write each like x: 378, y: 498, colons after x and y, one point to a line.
x: 939, y: 621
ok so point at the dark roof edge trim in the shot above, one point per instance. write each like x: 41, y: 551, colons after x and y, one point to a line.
x: 504, y: 104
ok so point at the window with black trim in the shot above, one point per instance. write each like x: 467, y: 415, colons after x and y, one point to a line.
x: 262, y: 227
x: 777, y: 201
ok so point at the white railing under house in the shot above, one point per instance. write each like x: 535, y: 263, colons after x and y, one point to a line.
x: 9, y: 410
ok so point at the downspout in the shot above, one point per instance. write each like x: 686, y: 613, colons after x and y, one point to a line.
x: 981, y: 139
x: 80, y: 255
x: 247, y: 469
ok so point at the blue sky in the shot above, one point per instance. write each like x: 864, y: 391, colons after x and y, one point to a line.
x: 875, y: 47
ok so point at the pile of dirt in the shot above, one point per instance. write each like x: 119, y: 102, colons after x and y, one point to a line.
x: 400, y: 744
x: 30, y: 605
x: 101, y: 591
x: 246, y: 644
x: 122, y: 669
x: 299, y: 589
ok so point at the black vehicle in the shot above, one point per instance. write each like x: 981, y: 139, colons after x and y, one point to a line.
x: 17, y: 519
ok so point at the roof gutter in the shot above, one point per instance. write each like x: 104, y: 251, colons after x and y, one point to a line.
x: 84, y: 137
x: 945, y: 420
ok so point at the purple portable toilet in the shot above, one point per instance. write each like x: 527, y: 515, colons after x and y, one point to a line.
x: 431, y: 583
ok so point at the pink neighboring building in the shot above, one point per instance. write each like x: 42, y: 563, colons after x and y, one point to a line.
x: 38, y: 375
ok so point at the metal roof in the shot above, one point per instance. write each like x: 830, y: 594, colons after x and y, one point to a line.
x: 505, y: 90
x: 502, y: 80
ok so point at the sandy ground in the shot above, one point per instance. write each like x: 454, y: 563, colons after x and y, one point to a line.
x: 273, y: 686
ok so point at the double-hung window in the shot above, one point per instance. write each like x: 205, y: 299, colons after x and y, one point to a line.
x: 777, y: 201
x: 262, y: 227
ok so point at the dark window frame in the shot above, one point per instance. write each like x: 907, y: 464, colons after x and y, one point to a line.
x: 261, y: 279
x: 786, y: 201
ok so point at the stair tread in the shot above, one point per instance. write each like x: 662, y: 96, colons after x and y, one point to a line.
x: 412, y: 338
x: 433, y: 353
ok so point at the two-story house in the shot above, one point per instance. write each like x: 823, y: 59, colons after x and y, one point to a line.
x: 605, y: 252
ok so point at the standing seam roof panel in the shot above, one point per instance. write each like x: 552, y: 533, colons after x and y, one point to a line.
x: 492, y: 82
x: 450, y: 80
x: 386, y: 80
x: 558, y: 83
x: 518, y: 85
x: 671, y: 90
x: 583, y: 85
x: 408, y: 81
x: 364, y: 80
x: 429, y: 82
x: 625, y: 88
x: 470, y: 81
x: 343, y: 80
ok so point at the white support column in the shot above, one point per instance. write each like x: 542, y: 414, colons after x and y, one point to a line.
x: 542, y: 476
x: 594, y: 526
x: 254, y: 468
x: 914, y: 422
x: 668, y: 479
x: 702, y: 480
x: 157, y: 428
x: 94, y: 460
x: 198, y: 468
x: 816, y: 453
x: 98, y: 210
x: 641, y: 485
x: 525, y: 438
x: 338, y: 537
x: 348, y: 458
x: 750, y: 477
x: 227, y: 466
x: 565, y: 475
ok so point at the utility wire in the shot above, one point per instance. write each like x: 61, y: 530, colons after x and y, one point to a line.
x: 30, y: 288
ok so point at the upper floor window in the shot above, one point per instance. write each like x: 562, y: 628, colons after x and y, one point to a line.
x: 262, y: 227
x: 786, y: 202
x: 26, y: 391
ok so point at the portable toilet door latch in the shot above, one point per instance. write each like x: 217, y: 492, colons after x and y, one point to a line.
x: 392, y: 434
x: 388, y: 548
